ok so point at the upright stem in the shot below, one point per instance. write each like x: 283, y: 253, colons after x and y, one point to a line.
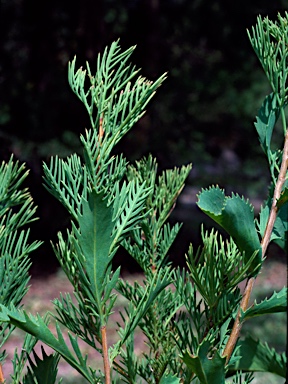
x: 2, y: 380
x: 105, y: 355
x: 277, y: 193
x: 229, y: 348
x: 264, y: 244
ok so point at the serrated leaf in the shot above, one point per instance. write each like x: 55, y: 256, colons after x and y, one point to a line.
x: 258, y: 357
x: 37, y: 327
x: 208, y: 370
x: 169, y: 380
x: 266, y: 120
x: 236, y: 216
x: 280, y: 228
x: 43, y: 371
x: 95, y: 238
x: 276, y: 303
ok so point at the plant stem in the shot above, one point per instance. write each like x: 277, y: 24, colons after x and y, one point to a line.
x: 277, y: 193
x: 2, y: 380
x: 264, y: 244
x: 229, y: 348
x: 105, y: 355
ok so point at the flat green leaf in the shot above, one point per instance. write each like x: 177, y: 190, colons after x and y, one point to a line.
x: 37, y: 327
x: 207, y: 369
x: 276, y: 303
x: 43, y: 371
x: 262, y: 222
x: 236, y: 216
x: 280, y: 229
x: 95, y: 238
x: 258, y: 357
x: 169, y: 380
x: 266, y: 120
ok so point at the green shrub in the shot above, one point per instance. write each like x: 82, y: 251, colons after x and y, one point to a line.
x: 191, y: 319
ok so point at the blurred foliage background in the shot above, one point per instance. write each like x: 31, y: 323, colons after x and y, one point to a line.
x: 203, y: 114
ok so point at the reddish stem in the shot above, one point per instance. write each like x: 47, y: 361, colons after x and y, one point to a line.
x: 105, y: 355
x: 229, y: 348
x: 2, y: 380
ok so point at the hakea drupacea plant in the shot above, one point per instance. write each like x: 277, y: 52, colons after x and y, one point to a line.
x: 190, y: 318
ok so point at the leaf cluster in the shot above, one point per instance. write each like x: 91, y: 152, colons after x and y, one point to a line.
x: 16, y: 211
x: 184, y: 315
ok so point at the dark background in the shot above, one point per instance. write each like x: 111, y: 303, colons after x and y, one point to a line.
x: 203, y: 113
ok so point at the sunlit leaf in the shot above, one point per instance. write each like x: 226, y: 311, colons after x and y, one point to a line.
x: 236, y: 216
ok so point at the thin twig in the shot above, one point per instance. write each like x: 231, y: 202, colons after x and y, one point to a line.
x: 264, y: 244
x: 105, y: 355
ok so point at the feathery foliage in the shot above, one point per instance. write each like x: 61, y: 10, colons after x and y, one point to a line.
x: 190, y: 318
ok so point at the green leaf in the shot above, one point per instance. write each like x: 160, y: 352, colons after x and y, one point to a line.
x: 283, y: 199
x: 43, y: 371
x: 136, y: 313
x: 280, y: 228
x: 266, y: 120
x: 170, y: 184
x: 169, y: 380
x: 37, y: 327
x: 12, y: 176
x: 19, y: 359
x: 207, y: 369
x: 114, y: 99
x: 276, y: 303
x: 65, y: 180
x: 270, y: 40
x: 95, y: 238
x: 129, y: 206
x: 236, y: 216
x: 258, y: 357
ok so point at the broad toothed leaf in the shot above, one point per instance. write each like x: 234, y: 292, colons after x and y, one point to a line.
x: 258, y: 357
x: 43, y: 371
x: 236, y: 216
x: 37, y: 327
x: 276, y: 303
x: 265, y: 121
x: 208, y: 370
x: 280, y: 228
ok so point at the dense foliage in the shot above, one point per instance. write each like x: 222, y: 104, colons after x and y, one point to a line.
x: 191, y: 318
x: 212, y: 93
